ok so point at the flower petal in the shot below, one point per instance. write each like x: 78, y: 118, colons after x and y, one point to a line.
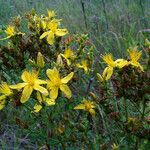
x: 61, y: 32
x: 50, y: 85
x: 50, y: 38
x: 37, y: 108
x: 67, y: 78
x: 18, y: 86
x: 2, y: 104
x: 41, y: 89
x: 54, y: 93
x: 44, y: 34
x: 38, y: 81
x: 66, y: 90
x: 50, y: 101
x: 53, y: 74
x: 2, y: 97
x: 27, y: 91
x: 80, y: 106
x: 108, y: 71
x: 25, y: 76
x: 92, y: 112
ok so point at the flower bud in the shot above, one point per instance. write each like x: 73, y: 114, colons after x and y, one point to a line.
x: 40, y: 60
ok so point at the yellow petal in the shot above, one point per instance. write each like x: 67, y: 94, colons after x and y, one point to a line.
x: 53, y: 74
x: 49, y: 85
x: 25, y: 76
x: 51, y: 14
x: 38, y: 81
x: 39, y: 97
x: 50, y: 38
x: 92, y: 112
x: 2, y: 97
x: 99, y: 77
x: 41, y: 89
x: 136, y: 64
x: 61, y: 32
x: 67, y: 78
x: 120, y: 63
x: 37, y: 108
x: 2, y: 104
x: 54, y: 93
x: 108, y: 71
x: 50, y: 101
x: 27, y: 91
x: 18, y: 86
x: 80, y: 106
x: 44, y: 34
x: 65, y: 89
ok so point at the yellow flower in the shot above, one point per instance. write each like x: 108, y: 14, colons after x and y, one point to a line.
x: 31, y: 82
x: 134, y: 57
x: 43, y: 99
x: 107, y: 73
x: 5, y: 91
x: 68, y: 54
x: 119, y: 63
x: 40, y: 60
x: 83, y: 65
x: 51, y: 14
x: 108, y: 58
x: 54, y: 31
x: 55, y: 83
x: 88, y: 106
x: 10, y: 32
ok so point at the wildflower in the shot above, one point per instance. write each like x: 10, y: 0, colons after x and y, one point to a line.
x: 68, y: 54
x: 55, y: 83
x: 5, y: 91
x: 31, y: 82
x: 51, y: 14
x: 88, y: 106
x: 134, y: 57
x: 40, y: 60
x: 83, y: 65
x: 107, y: 73
x: 53, y: 31
x: 119, y: 63
x: 108, y: 58
x: 42, y: 99
x: 10, y: 32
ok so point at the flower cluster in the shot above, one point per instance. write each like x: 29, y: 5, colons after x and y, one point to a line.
x: 134, y: 55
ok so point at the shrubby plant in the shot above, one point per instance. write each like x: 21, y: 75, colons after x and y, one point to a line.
x: 66, y: 101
